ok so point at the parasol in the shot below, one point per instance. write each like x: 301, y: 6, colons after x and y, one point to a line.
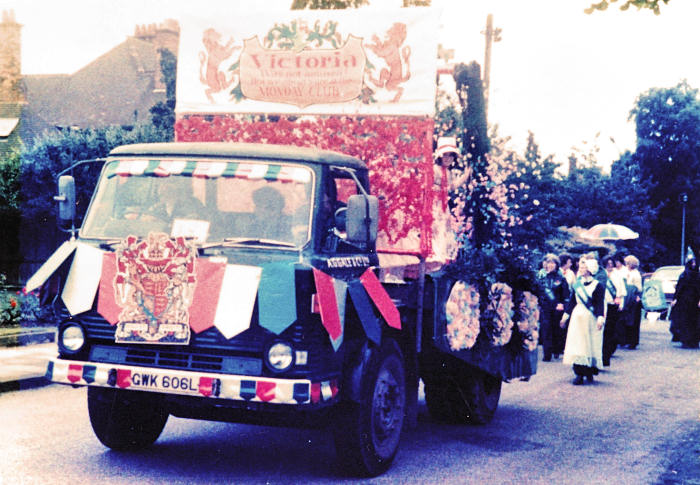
x: 609, y: 232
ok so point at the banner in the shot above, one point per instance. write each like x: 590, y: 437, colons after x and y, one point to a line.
x: 358, y: 61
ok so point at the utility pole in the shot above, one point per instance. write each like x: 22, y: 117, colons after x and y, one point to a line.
x: 492, y: 35
x: 684, y: 200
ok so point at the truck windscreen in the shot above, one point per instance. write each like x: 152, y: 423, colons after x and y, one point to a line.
x: 208, y: 200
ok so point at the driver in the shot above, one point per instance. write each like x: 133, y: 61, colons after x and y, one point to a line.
x: 176, y: 201
x: 269, y: 220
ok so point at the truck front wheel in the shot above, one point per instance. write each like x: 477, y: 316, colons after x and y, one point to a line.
x: 125, y: 420
x: 367, y: 437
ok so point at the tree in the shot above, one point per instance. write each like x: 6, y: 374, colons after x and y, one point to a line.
x: 163, y: 112
x: 536, y: 195
x: 653, y: 5
x: 668, y: 155
x: 327, y: 4
x: 9, y: 214
x: 630, y: 202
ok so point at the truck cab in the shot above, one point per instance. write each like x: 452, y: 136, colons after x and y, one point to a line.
x: 230, y: 282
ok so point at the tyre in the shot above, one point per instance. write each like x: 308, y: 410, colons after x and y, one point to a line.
x: 125, y: 420
x: 445, y: 402
x: 471, y: 397
x: 483, y: 393
x: 368, y: 434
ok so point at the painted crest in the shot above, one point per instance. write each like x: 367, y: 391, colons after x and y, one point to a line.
x: 154, y: 285
x: 303, y: 65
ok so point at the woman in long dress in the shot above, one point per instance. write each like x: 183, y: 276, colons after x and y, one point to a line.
x: 586, y: 315
x: 634, y: 292
x: 684, y: 311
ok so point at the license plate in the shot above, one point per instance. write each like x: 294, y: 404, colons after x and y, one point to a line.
x: 150, y: 381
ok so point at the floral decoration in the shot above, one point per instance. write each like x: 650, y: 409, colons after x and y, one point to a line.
x: 17, y: 307
x: 462, y: 314
x: 499, y: 314
x: 528, y: 323
x: 396, y: 150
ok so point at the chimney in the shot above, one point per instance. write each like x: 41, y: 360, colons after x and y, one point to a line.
x: 10, y: 59
x: 167, y: 36
x: 162, y: 36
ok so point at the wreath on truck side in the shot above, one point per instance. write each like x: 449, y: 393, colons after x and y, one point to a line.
x: 503, y: 308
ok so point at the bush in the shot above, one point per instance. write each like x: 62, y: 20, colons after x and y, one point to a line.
x: 17, y: 308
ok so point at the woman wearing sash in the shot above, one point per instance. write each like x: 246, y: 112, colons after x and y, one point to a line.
x: 584, y: 340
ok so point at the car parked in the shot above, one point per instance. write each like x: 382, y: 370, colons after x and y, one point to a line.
x: 662, y: 281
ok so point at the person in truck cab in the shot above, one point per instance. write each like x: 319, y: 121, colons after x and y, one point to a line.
x: 177, y: 201
x: 270, y: 221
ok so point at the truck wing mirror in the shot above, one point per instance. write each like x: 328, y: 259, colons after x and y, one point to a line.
x: 66, y: 198
x: 362, y: 219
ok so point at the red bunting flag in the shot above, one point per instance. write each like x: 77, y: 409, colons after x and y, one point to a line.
x: 381, y: 298
x: 330, y: 316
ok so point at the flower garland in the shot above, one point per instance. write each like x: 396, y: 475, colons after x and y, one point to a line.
x: 462, y: 314
x: 529, y: 323
x: 500, y: 314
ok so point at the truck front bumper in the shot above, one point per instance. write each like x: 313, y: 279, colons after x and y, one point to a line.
x: 199, y: 384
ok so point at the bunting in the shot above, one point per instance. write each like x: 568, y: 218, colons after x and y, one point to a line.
x: 207, y: 169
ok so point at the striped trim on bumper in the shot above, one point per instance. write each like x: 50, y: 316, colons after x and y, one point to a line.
x: 220, y: 386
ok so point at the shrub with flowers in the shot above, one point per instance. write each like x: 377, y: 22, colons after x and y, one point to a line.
x: 463, y: 316
x: 19, y: 308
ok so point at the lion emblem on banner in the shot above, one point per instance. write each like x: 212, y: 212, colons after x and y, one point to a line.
x: 154, y: 285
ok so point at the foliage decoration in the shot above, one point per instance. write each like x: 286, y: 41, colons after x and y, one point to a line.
x: 528, y: 320
x: 498, y: 317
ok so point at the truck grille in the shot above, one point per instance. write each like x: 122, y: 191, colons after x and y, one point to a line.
x: 209, y: 351
x: 252, y: 340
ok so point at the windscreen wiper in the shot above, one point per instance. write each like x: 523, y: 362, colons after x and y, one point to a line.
x: 233, y: 241
x: 109, y: 244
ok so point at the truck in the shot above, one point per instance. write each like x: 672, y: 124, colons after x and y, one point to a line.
x: 270, y: 283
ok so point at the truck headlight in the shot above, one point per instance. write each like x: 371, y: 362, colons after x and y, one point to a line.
x: 71, y: 338
x: 280, y: 356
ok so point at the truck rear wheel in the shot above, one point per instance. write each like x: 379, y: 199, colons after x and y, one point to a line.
x: 483, y: 394
x: 471, y: 397
x: 445, y: 403
x: 367, y: 438
x: 125, y: 420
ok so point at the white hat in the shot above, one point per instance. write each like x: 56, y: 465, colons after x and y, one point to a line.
x: 591, y: 265
x: 446, y: 144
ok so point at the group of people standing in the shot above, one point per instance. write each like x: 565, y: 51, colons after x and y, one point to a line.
x: 588, y: 309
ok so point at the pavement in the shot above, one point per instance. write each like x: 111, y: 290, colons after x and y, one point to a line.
x: 24, y: 366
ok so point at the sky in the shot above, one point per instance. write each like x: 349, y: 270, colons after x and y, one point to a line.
x: 568, y: 77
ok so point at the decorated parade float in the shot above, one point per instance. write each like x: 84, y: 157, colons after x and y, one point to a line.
x: 280, y: 262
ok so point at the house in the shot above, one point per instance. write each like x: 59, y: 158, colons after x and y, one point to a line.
x: 117, y: 88
x: 11, y: 97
